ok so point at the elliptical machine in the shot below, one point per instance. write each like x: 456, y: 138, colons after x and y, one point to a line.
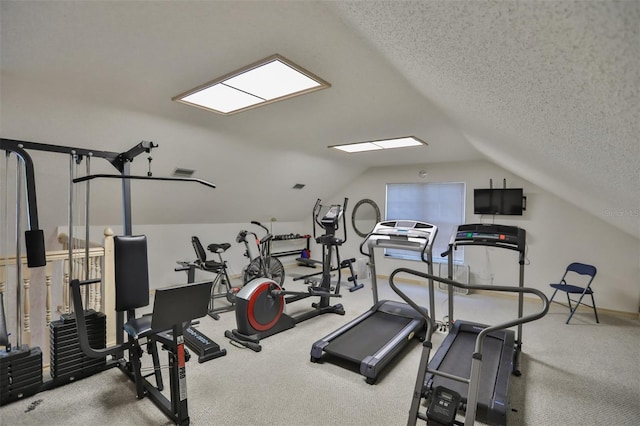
x: 260, y: 303
x: 329, y: 241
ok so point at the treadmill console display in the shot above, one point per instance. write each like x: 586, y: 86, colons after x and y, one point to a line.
x: 403, y: 234
x: 490, y: 235
x: 404, y: 229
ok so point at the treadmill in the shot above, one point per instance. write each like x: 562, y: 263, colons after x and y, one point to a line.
x: 374, y: 338
x: 501, y: 348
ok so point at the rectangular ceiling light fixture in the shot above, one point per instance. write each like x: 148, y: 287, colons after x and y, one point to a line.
x: 380, y: 144
x: 270, y: 80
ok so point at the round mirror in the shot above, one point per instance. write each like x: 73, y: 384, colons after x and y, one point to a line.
x: 365, y: 216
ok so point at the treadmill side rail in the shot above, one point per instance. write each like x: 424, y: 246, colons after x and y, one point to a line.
x: 372, y: 365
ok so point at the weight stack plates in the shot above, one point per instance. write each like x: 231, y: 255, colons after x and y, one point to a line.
x: 68, y: 362
x: 20, y: 373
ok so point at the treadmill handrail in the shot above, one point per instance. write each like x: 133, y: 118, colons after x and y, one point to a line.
x: 476, y: 359
x: 423, y: 312
x: 484, y: 332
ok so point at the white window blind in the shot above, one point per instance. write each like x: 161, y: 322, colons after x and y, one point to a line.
x: 441, y: 204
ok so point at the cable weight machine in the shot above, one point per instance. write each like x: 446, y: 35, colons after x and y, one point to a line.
x: 178, y: 302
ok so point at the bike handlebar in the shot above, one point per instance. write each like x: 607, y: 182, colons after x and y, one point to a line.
x: 255, y: 222
x: 241, y: 237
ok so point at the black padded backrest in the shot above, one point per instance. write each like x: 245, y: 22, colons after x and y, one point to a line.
x: 132, y: 272
x: 197, y: 246
x: 179, y: 304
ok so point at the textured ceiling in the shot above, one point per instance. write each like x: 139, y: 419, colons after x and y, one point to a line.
x: 547, y: 90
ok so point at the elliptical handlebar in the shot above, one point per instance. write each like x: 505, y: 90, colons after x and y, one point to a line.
x: 315, y: 214
x: 344, y: 218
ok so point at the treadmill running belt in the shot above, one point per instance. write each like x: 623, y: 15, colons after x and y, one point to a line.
x: 367, y: 337
x: 458, y: 362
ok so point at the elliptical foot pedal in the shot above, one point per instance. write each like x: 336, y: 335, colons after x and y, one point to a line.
x: 247, y: 342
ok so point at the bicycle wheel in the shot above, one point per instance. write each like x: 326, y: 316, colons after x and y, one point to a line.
x: 274, y: 270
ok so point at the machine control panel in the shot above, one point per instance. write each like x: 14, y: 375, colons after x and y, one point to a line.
x: 404, y: 229
x: 485, y: 237
x: 490, y: 234
x: 333, y: 215
x: 409, y: 235
x: 406, y: 234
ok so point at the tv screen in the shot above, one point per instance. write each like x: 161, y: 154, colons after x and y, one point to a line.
x: 498, y: 201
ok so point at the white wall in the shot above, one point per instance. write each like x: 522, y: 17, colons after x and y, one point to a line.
x: 168, y: 244
x: 558, y: 233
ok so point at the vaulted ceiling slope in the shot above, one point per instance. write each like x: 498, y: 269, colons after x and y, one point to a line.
x: 547, y: 90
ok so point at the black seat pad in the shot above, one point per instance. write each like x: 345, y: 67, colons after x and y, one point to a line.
x: 212, y: 265
x: 218, y: 248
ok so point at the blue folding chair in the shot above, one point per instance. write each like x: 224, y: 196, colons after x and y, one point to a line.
x: 582, y: 269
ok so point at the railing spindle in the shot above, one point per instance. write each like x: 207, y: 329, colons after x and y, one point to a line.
x: 26, y: 278
x: 47, y: 279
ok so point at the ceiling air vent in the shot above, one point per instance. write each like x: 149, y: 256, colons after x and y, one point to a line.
x: 183, y: 172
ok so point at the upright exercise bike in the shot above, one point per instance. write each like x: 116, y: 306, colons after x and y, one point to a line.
x: 260, y: 304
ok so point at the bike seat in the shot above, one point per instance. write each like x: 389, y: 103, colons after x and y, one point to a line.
x: 218, y: 248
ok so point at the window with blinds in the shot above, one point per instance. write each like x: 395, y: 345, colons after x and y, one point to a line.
x: 441, y: 204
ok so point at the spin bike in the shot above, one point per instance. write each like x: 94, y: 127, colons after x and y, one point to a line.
x: 261, y: 263
x: 260, y: 303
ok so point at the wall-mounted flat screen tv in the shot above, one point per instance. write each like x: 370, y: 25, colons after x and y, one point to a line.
x: 506, y: 201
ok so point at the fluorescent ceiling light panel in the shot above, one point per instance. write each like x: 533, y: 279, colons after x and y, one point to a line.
x: 272, y: 80
x: 269, y: 80
x: 358, y: 147
x: 398, y: 143
x: 222, y: 98
x: 381, y: 144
